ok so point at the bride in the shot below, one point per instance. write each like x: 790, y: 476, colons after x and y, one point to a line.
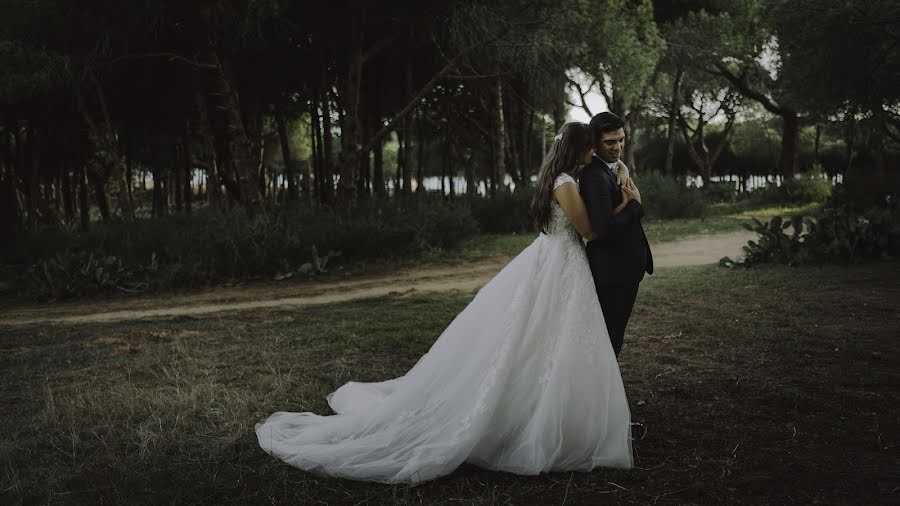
x: 523, y: 380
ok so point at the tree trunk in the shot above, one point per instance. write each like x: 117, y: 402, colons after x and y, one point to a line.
x: 187, y: 167
x: 527, y: 146
x: 790, y: 140
x: 365, y: 160
x: 444, y: 163
x: 402, y: 159
x: 83, y: 203
x: 451, y: 173
x: 99, y: 184
x: 512, y: 115
x: 213, y: 183
x: 632, y: 122
x: 30, y: 162
x: 471, y: 183
x: 68, y: 197
x: 159, y: 197
x: 327, y: 190
x: 176, y: 175
x: 237, y: 160
x: 316, y: 143
x: 9, y: 209
x: 420, y: 154
x: 698, y: 156
x: 674, y: 106
x: 378, y: 169
x: 363, y: 179
x: 559, y: 110
x: 351, y: 132
x: 106, y: 156
x: 128, y: 160
x: 305, y: 186
x: 499, y: 138
x: 849, y: 137
x: 259, y: 146
x: 877, y: 136
x: 286, y: 154
x: 816, y: 147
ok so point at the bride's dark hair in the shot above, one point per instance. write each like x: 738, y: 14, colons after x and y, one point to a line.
x: 569, y: 146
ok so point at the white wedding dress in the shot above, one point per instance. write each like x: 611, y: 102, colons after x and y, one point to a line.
x: 523, y: 380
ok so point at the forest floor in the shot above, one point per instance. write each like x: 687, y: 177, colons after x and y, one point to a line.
x: 469, y: 272
x: 771, y: 385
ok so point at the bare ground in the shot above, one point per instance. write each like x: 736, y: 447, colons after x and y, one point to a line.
x: 695, y: 250
x: 771, y: 385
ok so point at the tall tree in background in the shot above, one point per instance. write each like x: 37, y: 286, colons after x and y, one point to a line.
x: 845, y: 63
x: 739, y: 43
x: 621, y: 46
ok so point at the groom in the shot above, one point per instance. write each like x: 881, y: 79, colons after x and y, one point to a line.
x: 619, y: 255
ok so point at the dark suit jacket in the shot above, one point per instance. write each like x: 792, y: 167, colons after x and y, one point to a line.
x: 620, y: 254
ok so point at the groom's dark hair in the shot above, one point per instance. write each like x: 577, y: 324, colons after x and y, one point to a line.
x: 605, y: 122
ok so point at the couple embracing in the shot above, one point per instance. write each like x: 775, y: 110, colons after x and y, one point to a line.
x: 525, y: 379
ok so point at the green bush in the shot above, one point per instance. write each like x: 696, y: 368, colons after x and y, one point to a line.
x: 507, y: 212
x: 666, y: 198
x: 844, y: 235
x: 840, y: 234
x: 444, y: 224
x: 213, y: 245
x: 717, y: 192
x: 774, y: 245
x: 69, y: 274
x: 803, y: 189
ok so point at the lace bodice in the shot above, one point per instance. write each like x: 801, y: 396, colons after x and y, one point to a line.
x: 559, y: 222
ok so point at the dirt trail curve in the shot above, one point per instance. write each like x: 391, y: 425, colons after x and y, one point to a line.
x: 696, y: 250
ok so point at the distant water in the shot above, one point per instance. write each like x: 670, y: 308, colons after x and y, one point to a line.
x: 433, y: 183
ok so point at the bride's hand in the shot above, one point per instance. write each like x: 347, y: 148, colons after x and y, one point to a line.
x: 624, y: 177
x: 633, y: 192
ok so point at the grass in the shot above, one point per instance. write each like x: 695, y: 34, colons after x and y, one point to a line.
x: 723, y: 219
x: 770, y: 385
x: 670, y: 230
x: 747, y: 210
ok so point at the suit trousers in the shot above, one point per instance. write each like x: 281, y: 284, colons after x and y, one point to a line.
x: 617, y: 302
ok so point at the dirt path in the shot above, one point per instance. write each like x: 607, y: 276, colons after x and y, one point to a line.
x: 697, y: 250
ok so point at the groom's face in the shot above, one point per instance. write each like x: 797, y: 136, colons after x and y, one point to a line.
x: 611, y: 145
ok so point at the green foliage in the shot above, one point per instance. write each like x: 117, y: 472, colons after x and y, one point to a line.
x: 717, y: 192
x: 665, y: 198
x: 814, y: 34
x: 803, y: 189
x: 70, y: 273
x: 444, y: 224
x: 627, y: 45
x: 839, y: 235
x: 216, y: 245
x: 774, y: 245
x: 506, y: 212
x: 29, y: 74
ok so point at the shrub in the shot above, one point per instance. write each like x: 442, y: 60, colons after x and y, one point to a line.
x: 717, y: 192
x: 803, y: 189
x: 444, y: 224
x: 839, y: 235
x: 220, y: 244
x: 506, y: 212
x: 843, y: 235
x: 665, y: 198
x: 68, y: 274
x: 773, y: 244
